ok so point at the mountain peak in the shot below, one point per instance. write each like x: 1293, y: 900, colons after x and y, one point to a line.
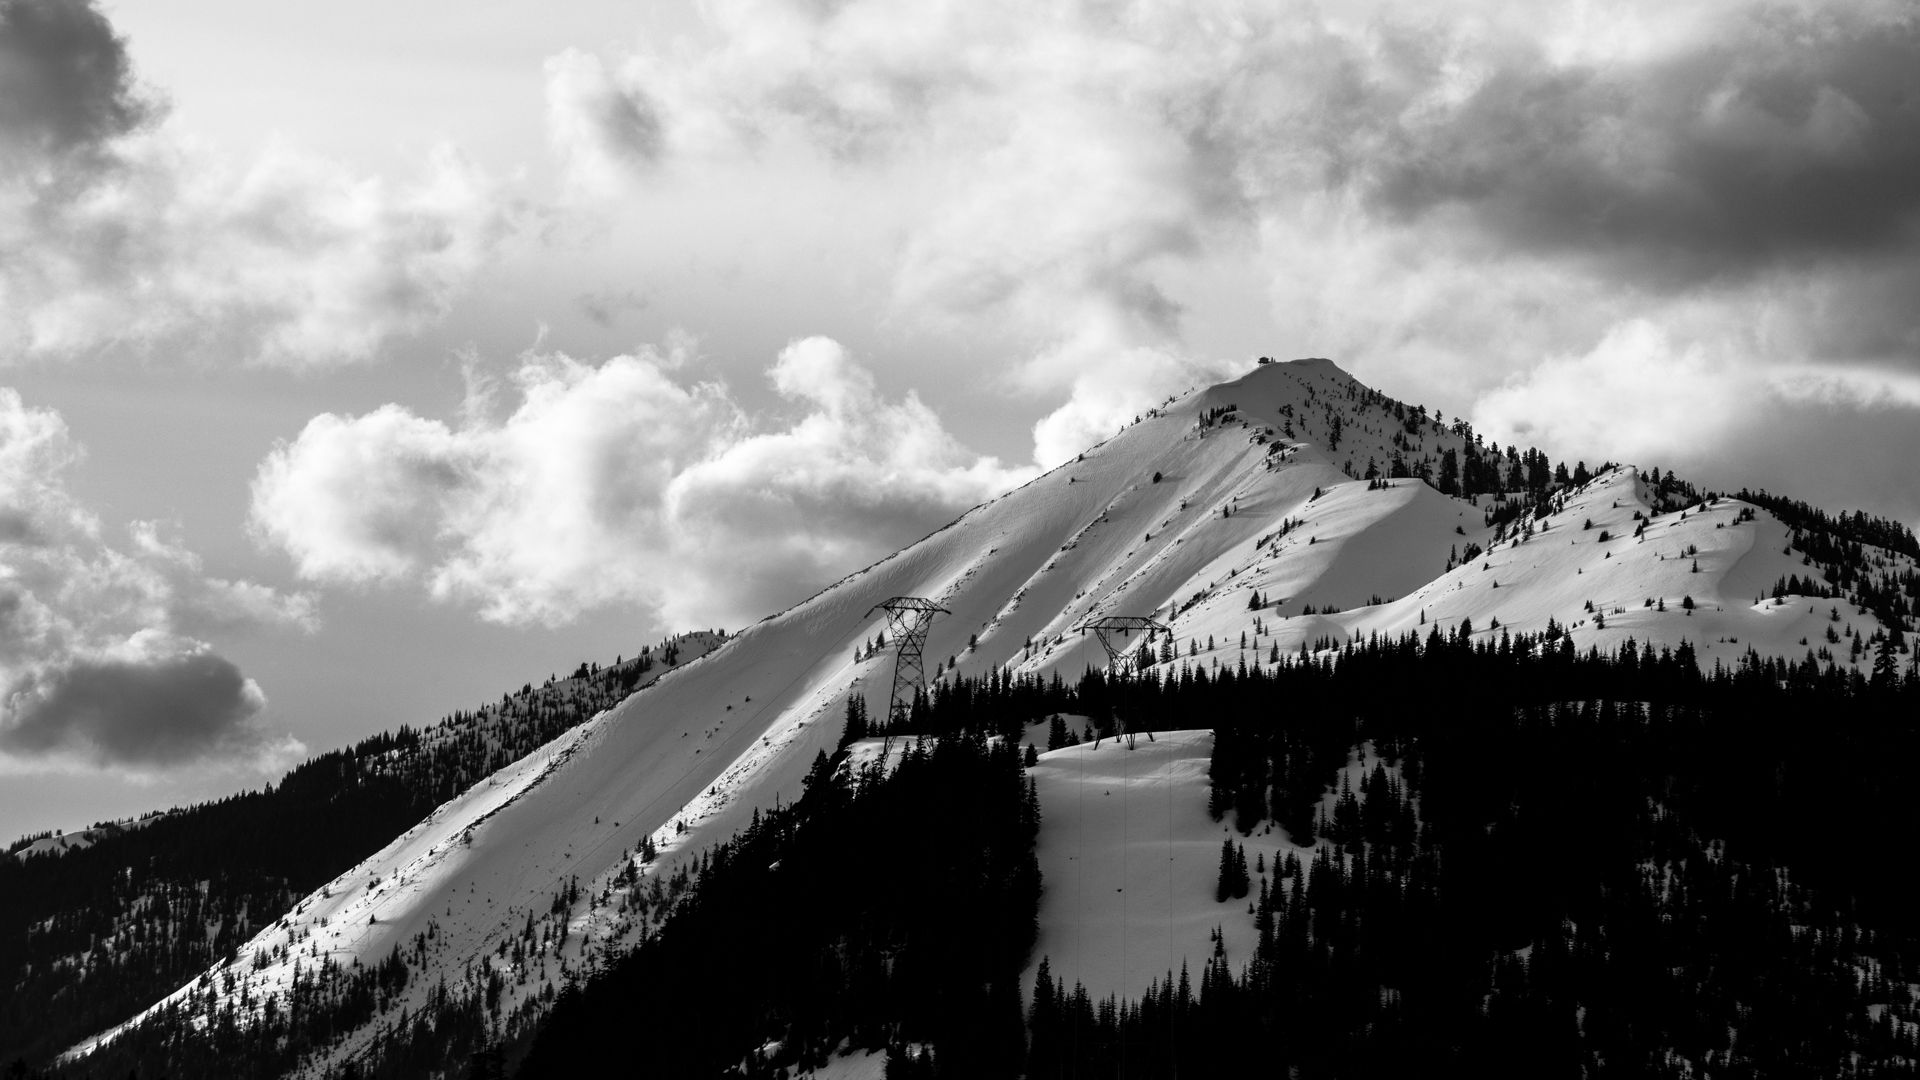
x: 1289, y: 511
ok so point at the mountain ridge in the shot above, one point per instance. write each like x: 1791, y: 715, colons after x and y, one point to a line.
x: 1207, y: 503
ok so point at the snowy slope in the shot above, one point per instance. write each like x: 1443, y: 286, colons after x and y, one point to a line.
x: 80, y: 839
x: 1603, y: 591
x: 1130, y: 858
x: 685, y: 762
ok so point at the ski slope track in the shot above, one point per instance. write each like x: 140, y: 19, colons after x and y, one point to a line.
x: 1249, y: 497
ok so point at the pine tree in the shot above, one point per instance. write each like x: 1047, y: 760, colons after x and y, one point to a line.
x: 818, y: 781
x: 1886, y: 663
x: 1057, y: 734
x: 1044, y: 1024
x: 856, y: 724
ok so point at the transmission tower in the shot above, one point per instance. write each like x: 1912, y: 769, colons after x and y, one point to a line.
x: 908, y: 618
x: 1113, y: 630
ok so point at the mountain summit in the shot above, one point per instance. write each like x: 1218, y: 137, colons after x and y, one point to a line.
x: 1288, y: 512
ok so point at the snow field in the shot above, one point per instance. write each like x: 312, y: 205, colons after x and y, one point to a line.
x: 1129, y: 860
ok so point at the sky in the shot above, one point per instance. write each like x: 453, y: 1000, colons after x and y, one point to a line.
x: 360, y: 362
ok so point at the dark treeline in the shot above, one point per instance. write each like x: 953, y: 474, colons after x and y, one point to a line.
x: 1560, y: 862
x: 90, y: 936
x: 452, y: 1032
x: 1554, y: 863
x: 1646, y: 873
x: 95, y: 935
x: 1841, y: 547
x: 1368, y: 675
x: 884, y: 912
x: 1857, y: 527
x: 211, y: 1033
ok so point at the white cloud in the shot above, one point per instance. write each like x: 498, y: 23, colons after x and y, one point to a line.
x: 1442, y: 200
x: 1029, y: 179
x: 121, y: 232
x: 1106, y: 379
x: 619, y: 483
x: 599, y: 129
x: 1638, y: 395
x: 288, y: 260
x: 100, y: 665
x: 1706, y: 406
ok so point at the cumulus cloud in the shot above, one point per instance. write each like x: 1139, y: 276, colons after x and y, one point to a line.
x: 1038, y: 172
x: 622, y: 483
x: 100, y: 665
x: 1443, y: 199
x: 120, y: 231
x: 1646, y: 397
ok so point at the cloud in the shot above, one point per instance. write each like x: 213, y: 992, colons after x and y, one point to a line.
x: 1696, y: 406
x: 100, y: 665
x: 121, y: 232
x: 1106, y: 377
x: 622, y: 484
x: 599, y: 127
x: 609, y: 306
x: 1038, y: 173
x: 1790, y: 136
x: 200, y: 604
x: 66, y: 85
x: 155, y: 701
x: 1445, y: 200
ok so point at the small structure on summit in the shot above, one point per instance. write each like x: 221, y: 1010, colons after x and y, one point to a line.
x: 908, y: 619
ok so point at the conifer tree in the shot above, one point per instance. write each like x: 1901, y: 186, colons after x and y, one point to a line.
x: 856, y: 724
x: 1229, y: 882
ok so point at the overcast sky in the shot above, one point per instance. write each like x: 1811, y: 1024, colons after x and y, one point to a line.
x: 361, y: 361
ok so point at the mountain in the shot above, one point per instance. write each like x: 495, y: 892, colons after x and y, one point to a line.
x: 98, y: 924
x: 1288, y: 513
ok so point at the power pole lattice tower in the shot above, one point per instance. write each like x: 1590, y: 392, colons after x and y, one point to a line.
x: 908, y: 619
x: 1112, y: 631
x: 1108, y: 628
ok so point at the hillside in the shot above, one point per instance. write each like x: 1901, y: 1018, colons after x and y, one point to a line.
x: 565, y: 858
x: 94, y: 925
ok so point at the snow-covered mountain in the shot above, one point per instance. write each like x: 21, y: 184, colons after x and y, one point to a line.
x: 1241, y: 515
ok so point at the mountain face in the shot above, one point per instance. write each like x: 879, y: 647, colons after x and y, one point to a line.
x: 1286, y: 513
x: 96, y: 925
